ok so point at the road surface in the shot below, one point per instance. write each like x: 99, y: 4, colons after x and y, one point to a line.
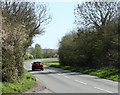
x: 63, y: 81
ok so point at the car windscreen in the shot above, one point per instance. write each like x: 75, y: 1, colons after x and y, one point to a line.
x: 36, y: 62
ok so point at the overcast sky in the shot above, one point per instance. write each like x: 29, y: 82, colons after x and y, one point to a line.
x: 62, y: 23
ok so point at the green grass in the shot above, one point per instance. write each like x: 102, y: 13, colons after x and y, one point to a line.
x: 104, y: 72
x: 22, y: 84
x: 31, y: 59
x: 52, y: 63
x: 39, y: 58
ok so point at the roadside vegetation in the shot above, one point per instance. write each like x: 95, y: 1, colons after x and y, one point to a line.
x: 20, y: 24
x: 104, y: 72
x: 25, y: 82
x: 93, y: 47
x: 18, y: 17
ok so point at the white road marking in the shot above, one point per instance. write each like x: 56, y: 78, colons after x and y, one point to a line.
x: 67, y: 77
x: 116, y: 82
x: 111, y: 81
x: 81, y: 82
x: 103, y: 89
x: 59, y: 74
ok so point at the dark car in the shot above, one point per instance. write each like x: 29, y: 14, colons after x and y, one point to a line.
x: 37, y: 65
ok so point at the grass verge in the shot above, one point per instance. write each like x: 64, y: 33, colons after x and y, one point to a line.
x: 22, y: 84
x: 31, y: 59
x: 104, y: 72
x: 40, y: 58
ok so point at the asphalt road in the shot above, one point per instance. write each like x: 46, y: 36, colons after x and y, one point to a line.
x: 63, y: 81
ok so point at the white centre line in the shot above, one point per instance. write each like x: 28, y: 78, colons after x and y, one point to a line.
x: 66, y: 77
x: 81, y: 82
x: 103, y: 89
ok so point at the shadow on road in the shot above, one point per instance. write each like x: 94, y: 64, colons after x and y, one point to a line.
x: 47, y: 70
x: 44, y: 73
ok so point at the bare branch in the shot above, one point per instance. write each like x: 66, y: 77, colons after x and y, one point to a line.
x: 95, y: 14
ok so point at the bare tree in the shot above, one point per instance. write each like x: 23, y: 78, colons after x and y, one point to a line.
x: 32, y: 17
x: 95, y: 14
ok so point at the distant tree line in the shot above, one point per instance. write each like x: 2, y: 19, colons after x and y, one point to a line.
x: 95, y: 43
x: 38, y: 52
x: 50, y: 53
x: 20, y: 24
